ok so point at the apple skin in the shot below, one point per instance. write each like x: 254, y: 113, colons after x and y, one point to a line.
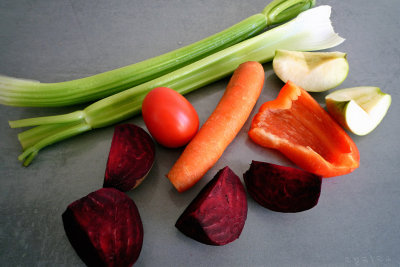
x: 312, y: 71
x: 359, y: 109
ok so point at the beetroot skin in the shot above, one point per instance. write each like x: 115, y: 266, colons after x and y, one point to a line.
x: 282, y: 189
x: 130, y: 159
x: 218, y: 213
x: 105, y: 228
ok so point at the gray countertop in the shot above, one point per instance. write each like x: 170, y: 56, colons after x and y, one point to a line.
x: 356, y: 222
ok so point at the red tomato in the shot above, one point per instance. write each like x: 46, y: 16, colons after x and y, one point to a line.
x: 169, y: 117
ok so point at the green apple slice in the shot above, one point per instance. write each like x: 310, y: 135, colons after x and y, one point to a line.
x: 358, y: 109
x: 313, y: 71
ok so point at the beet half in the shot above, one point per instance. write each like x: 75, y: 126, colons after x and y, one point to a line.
x: 218, y: 213
x: 130, y: 159
x: 104, y: 228
x: 282, y: 189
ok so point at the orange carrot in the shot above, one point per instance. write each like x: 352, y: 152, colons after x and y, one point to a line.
x: 221, y: 127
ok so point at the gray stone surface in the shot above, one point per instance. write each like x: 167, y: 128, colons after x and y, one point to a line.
x: 356, y: 222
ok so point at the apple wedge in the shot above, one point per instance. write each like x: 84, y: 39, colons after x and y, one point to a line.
x: 358, y: 109
x: 312, y: 71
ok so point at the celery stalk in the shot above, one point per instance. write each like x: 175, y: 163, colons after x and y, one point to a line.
x: 311, y: 30
x: 20, y: 92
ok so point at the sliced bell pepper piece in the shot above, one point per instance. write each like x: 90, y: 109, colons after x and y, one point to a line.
x: 296, y: 125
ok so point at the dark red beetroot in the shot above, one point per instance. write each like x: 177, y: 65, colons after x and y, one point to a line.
x: 105, y: 228
x: 283, y: 189
x: 130, y: 159
x: 218, y: 213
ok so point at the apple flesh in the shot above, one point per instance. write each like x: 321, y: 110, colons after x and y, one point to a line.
x: 358, y: 109
x: 312, y: 71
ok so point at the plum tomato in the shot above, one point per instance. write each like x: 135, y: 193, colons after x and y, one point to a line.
x: 169, y: 117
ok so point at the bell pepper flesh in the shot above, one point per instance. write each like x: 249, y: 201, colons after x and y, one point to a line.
x: 296, y: 125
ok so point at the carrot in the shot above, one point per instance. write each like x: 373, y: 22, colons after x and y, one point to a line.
x: 221, y: 127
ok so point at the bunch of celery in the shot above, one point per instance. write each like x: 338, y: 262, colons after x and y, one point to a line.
x: 20, y: 92
x: 310, y: 31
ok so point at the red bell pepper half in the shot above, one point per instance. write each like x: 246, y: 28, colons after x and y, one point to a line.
x: 296, y: 125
